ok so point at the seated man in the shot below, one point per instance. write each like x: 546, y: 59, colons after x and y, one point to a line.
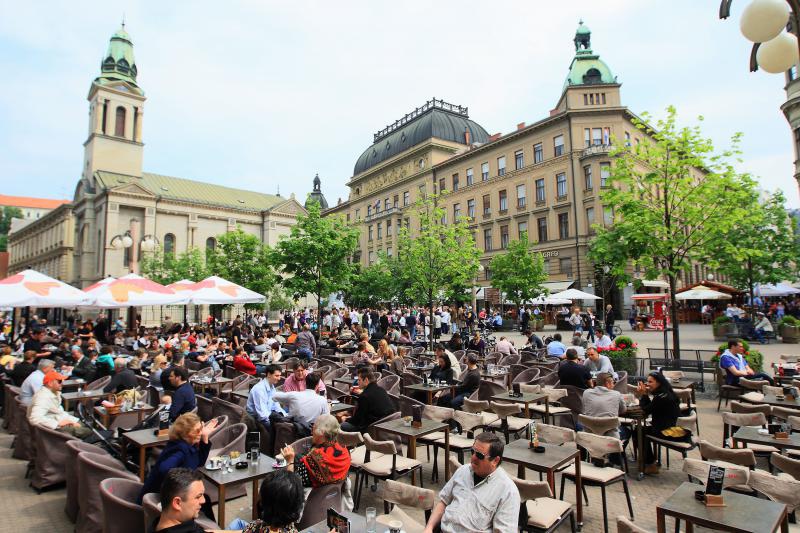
x: 762, y: 326
x: 304, y: 406
x: 124, y: 378
x: 46, y: 410
x: 326, y: 462
x: 83, y: 369
x: 603, y: 400
x: 260, y: 402
x: 470, y: 381
x: 34, y: 381
x: 480, y: 496
x: 505, y: 347
x: 534, y: 341
x: 182, y: 494
x: 571, y: 372
x: 183, y: 399
x: 556, y: 348
x: 599, y: 363
x: 373, y: 403
x: 297, y: 379
x: 603, y: 340
x: 734, y: 364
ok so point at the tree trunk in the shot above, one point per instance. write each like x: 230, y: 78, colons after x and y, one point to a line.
x: 319, y: 315
x: 750, y: 284
x: 430, y: 316
x: 673, y: 313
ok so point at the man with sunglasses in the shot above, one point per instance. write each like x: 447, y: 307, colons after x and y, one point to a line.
x: 480, y: 496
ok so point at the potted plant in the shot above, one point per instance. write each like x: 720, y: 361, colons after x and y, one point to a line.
x: 790, y: 329
x: 538, y: 324
x: 622, y: 354
x: 754, y: 358
x: 721, y: 327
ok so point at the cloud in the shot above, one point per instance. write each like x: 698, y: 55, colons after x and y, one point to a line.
x: 261, y: 94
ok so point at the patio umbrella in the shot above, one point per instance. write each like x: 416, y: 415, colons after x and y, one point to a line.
x: 702, y: 294
x: 548, y: 300
x: 574, y: 294
x: 132, y: 291
x: 216, y: 290
x: 30, y: 288
x: 781, y: 289
x: 183, y: 286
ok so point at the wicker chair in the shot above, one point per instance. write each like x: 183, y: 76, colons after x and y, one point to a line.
x: 538, y: 510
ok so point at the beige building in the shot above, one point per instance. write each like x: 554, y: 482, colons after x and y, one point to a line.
x: 540, y: 182
x: 119, y: 211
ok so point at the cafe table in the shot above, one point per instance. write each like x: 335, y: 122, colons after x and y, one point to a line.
x: 526, y: 399
x: 420, y: 369
x: 85, y: 395
x: 346, y: 381
x: 357, y: 523
x: 553, y: 459
x: 142, y: 439
x: 216, y: 384
x: 741, y: 513
x: 340, y: 407
x: 71, y: 384
x: 106, y: 419
x: 222, y: 479
x: 504, y: 377
x: 750, y: 435
x: 769, y: 399
x: 398, y: 427
x: 429, y: 389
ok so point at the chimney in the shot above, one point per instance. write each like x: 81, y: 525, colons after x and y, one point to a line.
x: 467, y: 137
x: 520, y: 126
x: 494, y: 137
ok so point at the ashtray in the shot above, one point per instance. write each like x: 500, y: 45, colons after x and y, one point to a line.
x: 241, y: 465
x: 539, y: 449
x: 700, y: 495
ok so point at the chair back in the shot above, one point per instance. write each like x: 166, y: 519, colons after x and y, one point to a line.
x: 550, y: 379
x: 467, y: 421
x: 775, y: 391
x: 527, y: 375
x: 24, y: 445
x: 220, y: 407
x: 697, y: 469
x: 350, y: 439
x: 600, y: 425
x: 532, y: 490
x: 738, y: 456
x: 786, y: 464
x: 50, y: 465
x: 377, y: 434
x: 673, y: 374
x: 554, y: 434
x: 151, y: 507
x: 73, y: 448
x: 752, y: 384
x: 291, y: 362
x: 98, y: 384
x: 385, y: 447
x: 439, y: 414
x: 475, y: 406
x: 301, y: 446
x: 390, y: 384
x: 407, y: 404
x: 407, y: 378
x: 626, y: 526
x: 120, y: 513
x: 487, y: 389
x: 530, y: 388
x: 510, y: 359
x: 739, y: 407
x: 737, y: 420
x: 334, y: 393
x: 504, y: 410
x: 92, y: 469
x: 398, y: 493
x: 204, y: 407
x: 777, y: 489
x: 598, y: 446
x: 319, y: 500
x: 10, y: 392
x: 228, y: 439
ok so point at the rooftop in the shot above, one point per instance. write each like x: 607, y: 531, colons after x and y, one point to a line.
x: 25, y: 201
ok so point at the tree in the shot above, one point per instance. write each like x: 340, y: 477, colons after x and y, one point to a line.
x: 760, y: 248
x: 243, y: 259
x: 315, y: 257
x: 6, y: 214
x: 373, y: 285
x: 519, y: 273
x: 438, y: 257
x: 672, y: 198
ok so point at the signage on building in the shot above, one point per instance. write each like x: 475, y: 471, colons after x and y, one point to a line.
x: 492, y: 295
x: 552, y: 253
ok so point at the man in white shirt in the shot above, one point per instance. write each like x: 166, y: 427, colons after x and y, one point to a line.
x: 505, y: 347
x: 763, y: 325
x: 305, y: 406
x: 34, y: 381
x: 603, y: 340
x: 46, y: 410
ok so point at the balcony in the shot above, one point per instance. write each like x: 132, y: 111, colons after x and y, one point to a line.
x: 597, y: 149
x: 381, y: 214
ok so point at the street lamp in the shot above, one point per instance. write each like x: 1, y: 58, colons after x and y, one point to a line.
x: 119, y: 242
x: 149, y: 243
x: 763, y: 22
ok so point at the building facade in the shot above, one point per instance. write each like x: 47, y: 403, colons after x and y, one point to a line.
x: 119, y: 211
x: 541, y: 182
x: 32, y: 208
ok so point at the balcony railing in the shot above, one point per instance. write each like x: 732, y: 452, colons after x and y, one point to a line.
x: 380, y: 214
x: 596, y: 149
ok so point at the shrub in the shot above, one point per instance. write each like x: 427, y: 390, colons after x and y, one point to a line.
x: 789, y: 320
x: 622, y: 354
x: 721, y: 319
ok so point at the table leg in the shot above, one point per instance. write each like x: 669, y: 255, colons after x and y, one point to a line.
x: 689, y: 527
x: 661, y: 521
x: 142, y: 456
x: 527, y: 410
x: 447, y: 454
x: 221, y: 506
x: 640, y: 447
x: 551, y: 480
x: 521, y: 471
x: 546, y: 411
x: 255, y: 501
x: 785, y: 523
x: 578, y: 488
x: 412, y: 454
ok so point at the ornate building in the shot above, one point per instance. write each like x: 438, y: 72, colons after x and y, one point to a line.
x: 119, y: 211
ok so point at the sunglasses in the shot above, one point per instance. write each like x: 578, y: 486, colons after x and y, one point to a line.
x: 480, y: 455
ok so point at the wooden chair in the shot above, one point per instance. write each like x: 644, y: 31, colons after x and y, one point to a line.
x: 726, y: 391
x: 389, y: 465
x: 507, y: 423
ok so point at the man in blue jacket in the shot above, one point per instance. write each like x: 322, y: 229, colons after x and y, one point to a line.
x: 183, y: 399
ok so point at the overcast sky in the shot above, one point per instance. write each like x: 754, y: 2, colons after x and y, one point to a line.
x: 265, y: 94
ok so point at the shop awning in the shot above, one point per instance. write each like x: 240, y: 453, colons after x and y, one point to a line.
x: 661, y: 284
x: 557, y: 286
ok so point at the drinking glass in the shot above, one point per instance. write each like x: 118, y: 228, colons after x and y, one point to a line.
x: 254, y: 453
x: 371, y: 515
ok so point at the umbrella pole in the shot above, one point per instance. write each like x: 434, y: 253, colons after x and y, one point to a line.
x: 185, y: 321
x: 13, y: 324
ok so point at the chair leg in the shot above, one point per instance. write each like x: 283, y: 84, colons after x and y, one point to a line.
x: 677, y: 525
x: 627, y: 496
x: 435, y: 471
x: 719, y: 402
x: 563, y: 479
x: 585, y: 496
x: 572, y: 521
x: 605, y: 510
x: 357, y: 496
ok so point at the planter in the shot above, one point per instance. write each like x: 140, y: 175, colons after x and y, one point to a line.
x: 537, y: 325
x: 721, y: 331
x: 790, y: 334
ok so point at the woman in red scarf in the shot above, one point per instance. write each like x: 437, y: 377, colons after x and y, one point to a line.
x: 326, y: 462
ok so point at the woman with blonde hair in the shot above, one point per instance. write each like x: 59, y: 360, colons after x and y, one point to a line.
x: 159, y: 364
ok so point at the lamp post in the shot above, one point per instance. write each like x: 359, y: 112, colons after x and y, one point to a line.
x: 773, y: 26
x: 474, y: 288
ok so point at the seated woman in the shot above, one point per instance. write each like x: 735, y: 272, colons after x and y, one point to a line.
x: 158, y: 366
x: 455, y: 343
x: 327, y: 462
x: 405, y: 337
x: 281, y: 504
x: 365, y: 357
x: 395, y: 363
x: 664, y: 410
x: 443, y: 371
x: 477, y: 344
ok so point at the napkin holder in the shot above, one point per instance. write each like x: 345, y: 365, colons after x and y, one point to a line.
x: 714, y: 500
x: 780, y: 435
x: 416, y: 416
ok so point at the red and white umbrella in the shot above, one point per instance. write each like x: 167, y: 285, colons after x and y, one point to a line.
x: 133, y: 291
x: 216, y: 290
x: 34, y: 289
x: 182, y: 285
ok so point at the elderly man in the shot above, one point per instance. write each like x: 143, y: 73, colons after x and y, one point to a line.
x: 33, y: 382
x: 46, y: 410
x: 762, y: 326
x: 83, y: 369
x: 505, y: 347
x: 182, y: 495
x: 603, y: 400
x: 596, y: 362
x: 306, y: 405
x: 124, y: 378
x: 327, y: 461
x: 480, y: 496
x: 297, y: 380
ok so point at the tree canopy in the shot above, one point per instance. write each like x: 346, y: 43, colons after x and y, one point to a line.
x: 519, y: 272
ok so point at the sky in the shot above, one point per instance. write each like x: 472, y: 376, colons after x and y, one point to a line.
x: 262, y: 95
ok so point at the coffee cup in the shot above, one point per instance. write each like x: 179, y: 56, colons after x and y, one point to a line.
x: 395, y: 526
x: 280, y: 460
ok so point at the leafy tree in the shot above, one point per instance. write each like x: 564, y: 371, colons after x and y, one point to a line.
x: 672, y: 197
x: 438, y: 257
x: 519, y: 273
x: 373, y: 285
x: 243, y: 259
x: 761, y: 247
x: 6, y: 214
x: 315, y: 257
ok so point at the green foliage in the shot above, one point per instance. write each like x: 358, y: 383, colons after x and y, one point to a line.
x: 789, y: 320
x: 243, y: 259
x: 623, y: 342
x: 315, y: 257
x: 673, y: 200
x: 519, y: 272
x: 721, y: 319
x: 6, y: 214
x: 438, y: 260
x: 371, y: 286
x: 167, y: 268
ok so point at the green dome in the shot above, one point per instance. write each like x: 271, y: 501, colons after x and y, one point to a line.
x: 587, y: 68
x: 119, y: 63
x: 582, y: 29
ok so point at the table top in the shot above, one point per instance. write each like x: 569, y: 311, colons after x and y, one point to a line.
x: 398, y: 427
x: 100, y: 410
x: 423, y: 368
x: 220, y: 380
x: 771, y: 399
x: 682, y: 383
x: 427, y: 388
x: 751, y: 435
x: 339, y: 356
x: 145, y: 437
x: 741, y: 512
x: 494, y: 374
x: 83, y: 395
x: 77, y: 382
x: 357, y: 523
x: 519, y: 452
x: 218, y: 477
x: 339, y: 407
x: 527, y: 397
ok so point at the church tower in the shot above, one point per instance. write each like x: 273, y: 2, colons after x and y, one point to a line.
x: 316, y: 195
x: 116, y: 112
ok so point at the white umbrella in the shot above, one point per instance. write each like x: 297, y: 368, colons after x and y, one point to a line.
x: 574, y: 294
x: 702, y: 294
x: 781, y: 289
x: 548, y: 300
x: 182, y: 285
x: 132, y: 291
x: 33, y: 289
x: 216, y: 290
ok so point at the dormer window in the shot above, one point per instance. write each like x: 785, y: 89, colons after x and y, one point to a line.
x: 592, y: 76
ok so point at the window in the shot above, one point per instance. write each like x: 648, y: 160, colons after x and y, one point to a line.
x: 386, y: 204
x: 169, y: 244
x: 369, y: 233
x: 563, y: 226
x: 487, y: 240
x: 503, y: 237
x: 471, y: 208
x: 522, y: 231
x: 377, y: 207
x: 597, y: 136
x: 565, y: 266
x: 119, y: 122
x: 371, y: 256
x: 455, y: 182
x: 607, y: 136
x: 442, y: 185
x: 211, y: 244
x: 389, y: 228
x: 456, y: 212
x: 558, y: 145
x: 587, y: 136
x: 540, y: 190
x: 406, y: 198
x: 484, y: 171
x: 487, y: 273
x: 589, y: 218
x: 521, y: 196
x: 605, y: 173
x: 541, y: 228
x: 487, y: 205
x: 396, y: 201
x: 389, y: 251
x: 369, y: 210
x: 608, y: 216
x: 470, y: 177
x: 348, y: 218
x: 380, y: 230
x: 358, y: 214
x: 501, y: 165
x: 547, y: 266
x: 503, y: 201
x: 444, y: 217
x: 587, y: 178
x: 422, y: 190
x: 561, y: 185
x: 519, y: 160
x: 627, y: 139
x: 538, y: 154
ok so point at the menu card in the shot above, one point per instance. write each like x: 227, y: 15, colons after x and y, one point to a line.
x: 716, y: 476
x: 338, y: 521
x: 416, y: 416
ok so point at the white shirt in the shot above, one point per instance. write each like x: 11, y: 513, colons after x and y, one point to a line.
x: 46, y: 410
x: 31, y: 386
x: 604, y: 341
x: 492, y: 505
x: 304, y: 405
x: 505, y: 347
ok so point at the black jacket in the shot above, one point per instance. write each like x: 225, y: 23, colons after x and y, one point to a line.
x: 664, y: 410
x: 186, y: 527
x: 575, y: 374
x: 373, y: 404
x: 442, y: 374
x: 123, y: 380
x: 470, y: 381
x: 84, y: 369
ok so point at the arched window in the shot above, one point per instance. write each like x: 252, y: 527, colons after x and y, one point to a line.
x: 169, y: 244
x: 119, y: 122
x: 211, y: 244
x: 592, y: 76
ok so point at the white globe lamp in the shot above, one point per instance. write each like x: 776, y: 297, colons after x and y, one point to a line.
x: 127, y: 242
x: 763, y: 20
x: 779, y: 54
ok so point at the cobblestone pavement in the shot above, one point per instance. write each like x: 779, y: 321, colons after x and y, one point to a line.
x: 24, y: 510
